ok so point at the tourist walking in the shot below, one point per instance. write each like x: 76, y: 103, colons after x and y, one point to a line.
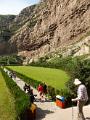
x: 81, y: 98
x: 26, y: 88
x: 40, y: 90
x: 31, y: 95
x: 44, y: 88
x: 29, y: 91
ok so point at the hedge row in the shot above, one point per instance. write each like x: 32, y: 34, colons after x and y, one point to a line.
x: 21, y: 99
x: 52, y: 92
x: 68, y: 64
x: 77, y: 67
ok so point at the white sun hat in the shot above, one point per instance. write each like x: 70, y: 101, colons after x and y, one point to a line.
x: 77, y: 82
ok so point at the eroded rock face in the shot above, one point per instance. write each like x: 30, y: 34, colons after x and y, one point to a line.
x: 5, y: 32
x: 50, y: 25
x: 79, y: 48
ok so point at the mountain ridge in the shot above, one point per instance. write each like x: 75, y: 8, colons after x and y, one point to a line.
x: 49, y: 26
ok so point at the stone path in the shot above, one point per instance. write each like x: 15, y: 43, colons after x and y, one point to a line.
x: 49, y: 110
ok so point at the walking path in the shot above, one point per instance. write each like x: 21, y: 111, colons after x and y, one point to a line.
x: 49, y: 110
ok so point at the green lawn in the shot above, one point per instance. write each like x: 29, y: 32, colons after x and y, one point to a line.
x: 7, y: 106
x: 54, y: 77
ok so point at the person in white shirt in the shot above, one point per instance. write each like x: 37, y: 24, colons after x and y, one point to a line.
x: 82, y: 98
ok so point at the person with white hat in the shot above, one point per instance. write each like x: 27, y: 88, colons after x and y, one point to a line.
x: 82, y: 98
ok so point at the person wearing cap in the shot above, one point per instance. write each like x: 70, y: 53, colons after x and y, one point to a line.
x: 81, y: 99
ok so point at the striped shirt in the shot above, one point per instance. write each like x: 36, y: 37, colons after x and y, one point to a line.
x: 82, y: 93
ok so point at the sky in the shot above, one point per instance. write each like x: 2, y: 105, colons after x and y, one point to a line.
x: 14, y: 6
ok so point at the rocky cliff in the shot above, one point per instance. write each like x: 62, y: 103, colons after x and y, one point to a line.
x: 50, y: 26
x: 5, y: 32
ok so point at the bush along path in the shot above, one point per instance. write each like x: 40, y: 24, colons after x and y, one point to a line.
x: 7, y: 102
x: 21, y: 99
x: 49, y: 111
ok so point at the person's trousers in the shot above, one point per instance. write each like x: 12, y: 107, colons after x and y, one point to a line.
x: 80, y: 105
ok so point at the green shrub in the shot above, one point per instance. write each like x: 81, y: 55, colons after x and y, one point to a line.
x: 26, y: 79
x: 11, y: 60
x: 81, y: 71
x: 21, y: 99
x: 29, y: 80
x: 76, y: 67
x: 51, y: 92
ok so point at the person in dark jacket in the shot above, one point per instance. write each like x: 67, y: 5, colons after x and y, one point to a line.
x: 26, y: 87
x: 32, y: 98
x: 45, y: 88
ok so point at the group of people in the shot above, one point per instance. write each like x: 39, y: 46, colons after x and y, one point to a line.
x: 81, y: 99
x: 28, y: 90
x: 10, y: 73
x: 42, y: 89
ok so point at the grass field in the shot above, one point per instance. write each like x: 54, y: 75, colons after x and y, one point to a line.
x: 7, y: 106
x: 54, y: 77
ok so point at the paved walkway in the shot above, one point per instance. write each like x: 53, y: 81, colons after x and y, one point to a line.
x: 49, y: 110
